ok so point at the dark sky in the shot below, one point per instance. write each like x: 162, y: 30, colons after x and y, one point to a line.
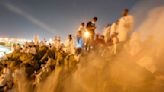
x: 25, y: 18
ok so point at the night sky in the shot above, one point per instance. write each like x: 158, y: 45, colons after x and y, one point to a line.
x: 47, y: 18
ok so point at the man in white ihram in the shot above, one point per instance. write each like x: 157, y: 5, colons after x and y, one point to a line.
x: 125, y: 26
x: 106, y: 33
x: 114, y: 36
x: 69, y: 44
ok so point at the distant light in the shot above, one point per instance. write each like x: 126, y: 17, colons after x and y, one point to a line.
x: 50, y: 40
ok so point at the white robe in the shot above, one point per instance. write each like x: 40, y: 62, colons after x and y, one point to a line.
x: 106, y: 33
x: 113, y: 29
x: 125, y: 27
x: 69, y: 46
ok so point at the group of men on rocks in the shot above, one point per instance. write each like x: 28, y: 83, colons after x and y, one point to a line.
x: 35, y: 61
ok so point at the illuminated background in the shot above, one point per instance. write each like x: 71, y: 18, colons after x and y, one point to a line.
x: 25, y: 18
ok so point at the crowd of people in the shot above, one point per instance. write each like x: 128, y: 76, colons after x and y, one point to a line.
x: 36, y: 60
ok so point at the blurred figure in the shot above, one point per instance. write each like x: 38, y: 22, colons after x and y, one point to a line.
x: 114, y: 37
x: 125, y: 25
x: 79, y: 43
x: 91, y: 26
x: 36, y: 39
x: 32, y: 50
x: 106, y: 33
x: 115, y: 40
x: 57, y: 43
x: 18, y: 47
x: 82, y: 29
x: 13, y: 47
x: 86, y: 39
x: 44, y: 41
x: 99, y: 40
x: 69, y: 45
x: 114, y: 28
